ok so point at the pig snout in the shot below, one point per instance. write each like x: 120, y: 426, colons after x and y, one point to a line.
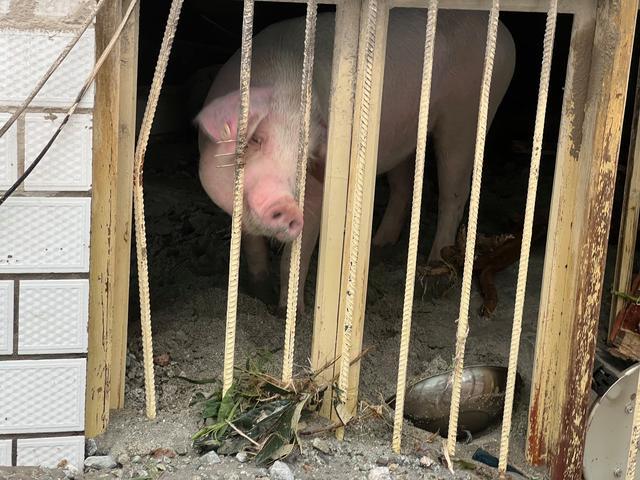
x: 280, y: 218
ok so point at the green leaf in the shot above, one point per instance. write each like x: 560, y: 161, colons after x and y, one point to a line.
x: 284, y: 431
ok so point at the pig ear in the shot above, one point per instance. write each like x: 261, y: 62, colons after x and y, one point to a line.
x: 219, y: 119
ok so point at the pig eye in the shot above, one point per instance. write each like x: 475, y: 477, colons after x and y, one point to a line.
x: 255, y: 140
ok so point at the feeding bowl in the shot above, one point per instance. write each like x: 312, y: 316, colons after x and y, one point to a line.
x: 427, y: 402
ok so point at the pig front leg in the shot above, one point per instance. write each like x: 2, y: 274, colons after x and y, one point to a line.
x: 259, y: 282
x: 310, y: 232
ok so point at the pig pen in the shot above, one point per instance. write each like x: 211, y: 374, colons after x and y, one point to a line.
x: 188, y: 251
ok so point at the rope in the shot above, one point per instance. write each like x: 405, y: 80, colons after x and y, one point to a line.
x: 138, y: 200
x: 463, y: 318
x: 632, y: 454
x: 238, y: 195
x: 54, y: 66
x: 74, y: 106
x: 527, y: 233
x: 423, y: 123
x: 365, y: 104
x: 303, y: 148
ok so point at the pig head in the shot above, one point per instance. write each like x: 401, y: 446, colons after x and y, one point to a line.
x: 270, y: 205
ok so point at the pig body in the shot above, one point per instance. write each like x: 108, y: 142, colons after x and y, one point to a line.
x: 270, y: 171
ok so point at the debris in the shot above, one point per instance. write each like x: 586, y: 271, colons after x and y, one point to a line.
x: 162, y: 360
x: 210, y: 458
x: 379, y: 473
x: 485, y: 457
x: 280, y: 471
x: 100, y: 462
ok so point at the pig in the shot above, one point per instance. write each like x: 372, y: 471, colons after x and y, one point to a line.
x: 270, y: 207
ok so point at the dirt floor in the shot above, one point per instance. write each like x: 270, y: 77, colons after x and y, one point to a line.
x: 188, y: 255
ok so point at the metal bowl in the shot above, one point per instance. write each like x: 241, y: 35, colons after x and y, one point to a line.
x: 427, y: 402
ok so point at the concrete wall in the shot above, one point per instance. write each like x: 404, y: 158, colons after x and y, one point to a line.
x: 44, y: 235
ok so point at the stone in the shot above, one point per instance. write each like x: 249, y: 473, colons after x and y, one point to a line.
x: 426, y: 462
x: 210, y: 458
x: 382, y: 461
x: 123, y: 459
x: 321, y: 445
x: 379, y: 473
x: 90, y: 447
x: 71, y: 472
x: 280, y: 471
x: 136, y: 459
x: 103, y: 462
x: 242, y: 457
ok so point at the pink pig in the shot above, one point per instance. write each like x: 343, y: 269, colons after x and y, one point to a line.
x: 270, y: 209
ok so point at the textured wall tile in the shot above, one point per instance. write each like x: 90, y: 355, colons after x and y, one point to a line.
x: 42, y: 395
x: 67, y: 164
x: 57, y: 8
x: 48, y: 452
x: 4, y: 6
x: 6, y: 317
x: 8, y: 154
x: 45, y: 235
x: 53, y: 316
x: 26, y: 55
x: 5, y: 453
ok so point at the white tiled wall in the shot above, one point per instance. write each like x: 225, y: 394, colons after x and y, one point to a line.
x: 42, y: 395
x: 49, y: 452
x: 26, y: 55
x: 53, y: 316
x: 8, y: 154
x: 45, y: 235
x: 6, y: 317
x: 5, y: 453
x: 67, y: 164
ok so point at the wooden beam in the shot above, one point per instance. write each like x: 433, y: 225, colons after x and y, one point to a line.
x: 364, y: 246
x: 630, y: 211
x: 555, y: 314
x: 324, y: 346
x: 103, y: 210
x: 124, y: 200
x: 577, y: 298
x: 613, y: 43
x: 564, y: 6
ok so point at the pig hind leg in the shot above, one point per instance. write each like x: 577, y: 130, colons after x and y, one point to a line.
x: 395, y: 215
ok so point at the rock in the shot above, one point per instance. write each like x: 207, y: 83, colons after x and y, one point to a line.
x: 321, y: 445
x: 70, y: 471
x: 136, y: 459
x: 426, y: 462
x: 382, y: 461
x: 379, y: 473
x: 123, y: 459
x: 232, y: 476
x: 139, y: 473
x: 242, y: 457
x: 280, y: 471
x: 159, y: 453
x: 103, y: 462
x: 90, y: 447
x: 182, y: 449
x: 210, y: 458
